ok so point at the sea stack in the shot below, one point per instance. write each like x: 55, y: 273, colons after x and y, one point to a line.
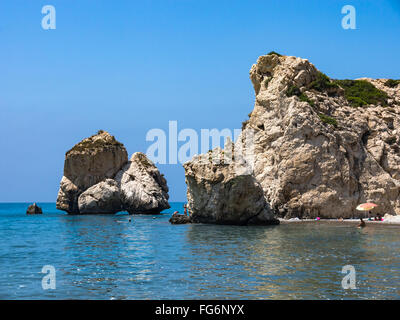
x: 318, y: 148
x: 224, y: 192
x: 143, y: 188
x: 177, y: 218
x: 34, y: 209
x: 89, y: 162
x: 93, y: 180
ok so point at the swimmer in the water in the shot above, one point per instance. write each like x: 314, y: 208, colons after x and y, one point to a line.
x: 362, y: 223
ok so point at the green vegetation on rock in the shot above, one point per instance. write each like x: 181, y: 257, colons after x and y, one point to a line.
x: 92, y: 143
x: 328, y: 120
x: 361, y: 92
x: 273, y: 52
x: 322, y: 83
x: 304, y: 98
x: 358, y: 92
x: 266, y: 81
x: 295, y: 91
x: 392, y: 83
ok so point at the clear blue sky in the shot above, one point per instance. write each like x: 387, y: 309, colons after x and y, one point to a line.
x: 130, y: 66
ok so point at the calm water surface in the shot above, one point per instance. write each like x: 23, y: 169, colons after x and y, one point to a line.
x: 108, y: 257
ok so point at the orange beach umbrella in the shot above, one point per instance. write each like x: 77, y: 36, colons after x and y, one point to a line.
x: 366, y: 206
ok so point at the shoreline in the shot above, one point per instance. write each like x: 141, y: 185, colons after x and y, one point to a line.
x: 344, y: 221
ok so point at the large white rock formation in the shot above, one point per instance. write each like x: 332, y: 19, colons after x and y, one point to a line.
x: 98, y: 178
x: 319, y: 148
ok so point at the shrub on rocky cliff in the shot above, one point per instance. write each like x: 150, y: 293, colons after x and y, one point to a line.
x: 322, y: 83
x: 295, y: 91
x: 273, y: 52
x: 266, y: 81
x: 304, y: 98
x: 392, y: 83
x: 360, y: 93
x: 328, y: 120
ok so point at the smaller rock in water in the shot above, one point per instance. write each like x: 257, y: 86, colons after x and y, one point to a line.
x: 143, y: 189
x: 179, y: 219
x: 103, y: 197
x: 34, y: 209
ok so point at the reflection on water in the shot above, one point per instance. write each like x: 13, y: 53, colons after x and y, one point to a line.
x: 108, y: 257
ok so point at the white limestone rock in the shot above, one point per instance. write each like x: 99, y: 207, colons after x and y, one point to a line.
x: 103, y: 197
x: 307, y: 167
x: 143, y: 189
x: 89, y: 162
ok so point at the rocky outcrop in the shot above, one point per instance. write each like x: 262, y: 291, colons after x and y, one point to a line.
x: 391, y: 219
x: 34, y: 209
x: 143, y: 189
x: 103, y: 197
x: 177, y: 218
x: 89, y: 162
x: 224, y: 193
x: 318, y: 147
x: 98, y: 178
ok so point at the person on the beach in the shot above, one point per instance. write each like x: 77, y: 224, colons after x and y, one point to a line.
x: 362, y: 223
x: 185, y: 209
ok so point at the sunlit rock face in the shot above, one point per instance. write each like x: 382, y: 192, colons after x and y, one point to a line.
x: 319, y: 148
x: 143, y: 188
x: 89, y: 162
x: 98, y: 178
x: 103, y: 197
x: 225, y: 193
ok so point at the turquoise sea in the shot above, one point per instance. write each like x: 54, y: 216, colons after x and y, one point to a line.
x: 108, y: 257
